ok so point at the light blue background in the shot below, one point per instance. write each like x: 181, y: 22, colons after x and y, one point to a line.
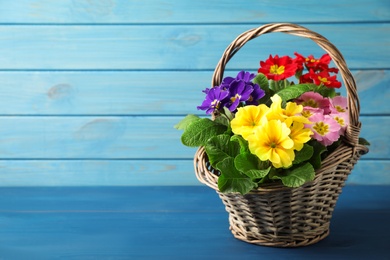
x: 90, y: 90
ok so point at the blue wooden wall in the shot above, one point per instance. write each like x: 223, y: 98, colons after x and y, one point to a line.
x: 90, y: 90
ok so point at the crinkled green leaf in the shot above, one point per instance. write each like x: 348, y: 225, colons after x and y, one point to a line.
x: 243, y: 143
x: 246, y: 161
x: 200, y: 131
x: 298, y: 176
x: 257, y: 174
x: 220, y: 147
x: 250, y: 165
x: 295, y: 91
x: 273, y: 85
x: 261, y: 80
x: 189, y: 119
x: 304, y: 154
x: 222, y: 120
x: 231, y: 180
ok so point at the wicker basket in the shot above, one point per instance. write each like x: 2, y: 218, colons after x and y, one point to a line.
x: 275, y: 215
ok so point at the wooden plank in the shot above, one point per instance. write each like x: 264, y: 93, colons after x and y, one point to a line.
x: 123, y: 137
x: 109, y: 198
x: 139, y: 173
x: 190, y: 198
x: 139, y: 92
x: 91, y: 137
x: 370, y: 172
x: 184, y: 47
x: 187, y: 11
x: 96, y: 172
x: 171, y: 223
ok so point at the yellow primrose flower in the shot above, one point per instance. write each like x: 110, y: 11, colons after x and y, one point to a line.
x: 293, y: 114
x: 300, y: 135
x: 247, y: 119
x: 271, y: 142
x: 276, y: 112
x: 292, y: 109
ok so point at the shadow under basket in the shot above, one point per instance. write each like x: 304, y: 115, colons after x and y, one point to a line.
x: 279, y: 216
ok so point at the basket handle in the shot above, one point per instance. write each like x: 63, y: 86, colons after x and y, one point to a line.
x: 353, y: 129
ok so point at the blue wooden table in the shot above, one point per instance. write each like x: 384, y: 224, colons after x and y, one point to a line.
x: 170, y: 223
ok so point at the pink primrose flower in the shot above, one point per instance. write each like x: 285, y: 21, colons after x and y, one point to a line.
x: 313, y: 99
x: 339, y: 104
x: 326, y: 130
x: 310, y: 111
x: 342, y: 119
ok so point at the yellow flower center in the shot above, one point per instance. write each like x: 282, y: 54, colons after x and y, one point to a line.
x: 340, y: 120
x: 321, y: 128
x: 311, y: 60
x: 323, y: 80
x: 306, y: 113
x: 275, y: 69
x: 235, y: 97
x: 310, y: 103
x: 340, y: 109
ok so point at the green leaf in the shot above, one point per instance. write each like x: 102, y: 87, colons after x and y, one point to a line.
x: 228, y: 113
x: 246, y: 161
x: 298, y: 176
x: 223, y: 120
x: 250, y: 165
x: 298, y: 74
x: 273, y: 85
x: 261, y: 80
x: 304, y: 154
x: 319, y: 149
x: 295, y: 91
x: 363, y: 141
x: 200, y: 131
x: 273, y: 174
x: 189, y: 119
x: 243, y: 143
x: 219, y: 147
x: 231, y: 180
x: 326, y: 92
x: 257, y: 174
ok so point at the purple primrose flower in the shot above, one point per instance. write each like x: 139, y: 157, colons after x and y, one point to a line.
x: 238, y: 92
x: 231, y: 92
x: 256, y: 95
x: 213, y: 100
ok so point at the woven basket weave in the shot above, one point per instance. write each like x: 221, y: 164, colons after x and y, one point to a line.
x: 275, y: 215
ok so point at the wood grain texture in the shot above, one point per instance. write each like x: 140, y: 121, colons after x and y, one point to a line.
x: 90, y: 90
x: 187, y: 11
x: 97, y: 172
x: 176, y: 47
x: 170, y: 223
x: 123, y: 137
x: 166, y: 172
x: 140, y: 92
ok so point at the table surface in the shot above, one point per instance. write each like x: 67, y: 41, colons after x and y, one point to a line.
x: 170, y: 223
